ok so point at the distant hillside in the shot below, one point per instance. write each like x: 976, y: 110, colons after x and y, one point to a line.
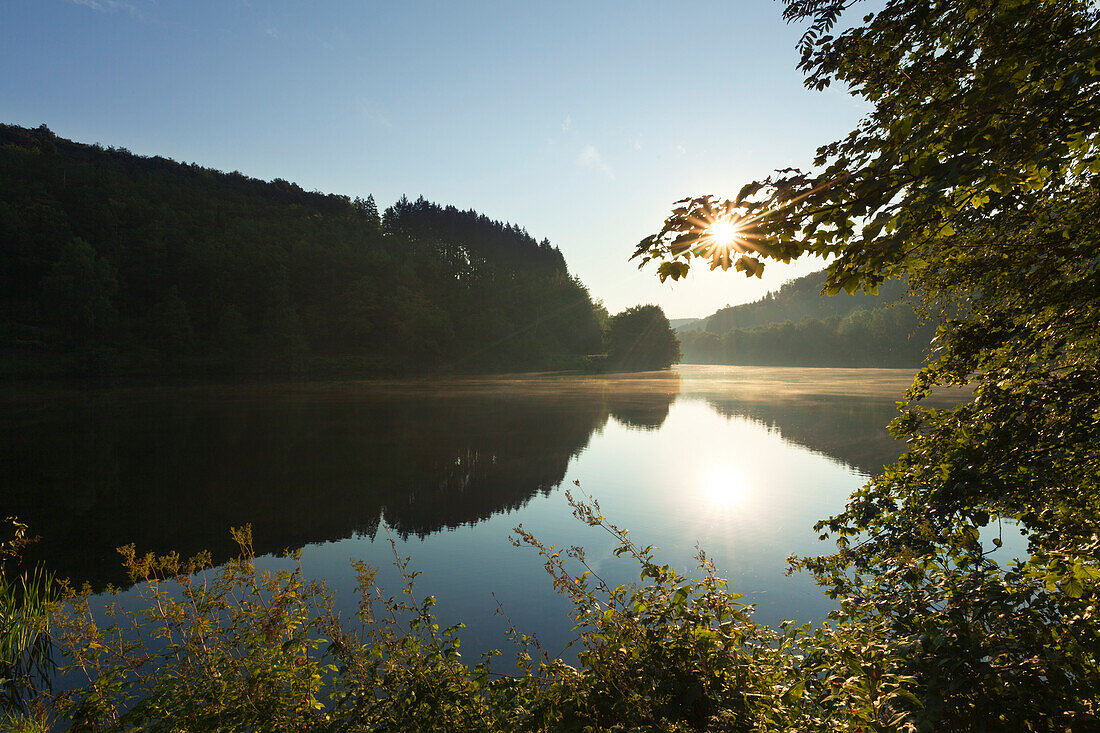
x: 797, y: 326
x: 795, y: 300
x: 678, y: 323
x: 120, y: 264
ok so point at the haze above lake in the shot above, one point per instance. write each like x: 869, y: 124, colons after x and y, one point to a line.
x: 739, y: 460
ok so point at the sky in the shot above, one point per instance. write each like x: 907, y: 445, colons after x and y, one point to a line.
x: 580, y: 121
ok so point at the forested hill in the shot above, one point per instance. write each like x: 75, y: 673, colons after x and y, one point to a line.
x: 116, y: 263
x: 797, y: 299
x: 798, y: 326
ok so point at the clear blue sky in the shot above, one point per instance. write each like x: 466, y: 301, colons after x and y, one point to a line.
x: 581, y: 121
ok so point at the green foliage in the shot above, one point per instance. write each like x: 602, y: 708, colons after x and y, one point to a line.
x: 1021, y: 455
x: 238, y: 648
x: 26, y: 601
x: 199, y: 653
x: 641, y: 339
x: 679, y: 654
x: 977, y: 176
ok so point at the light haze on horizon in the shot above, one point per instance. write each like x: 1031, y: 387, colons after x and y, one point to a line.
x: 580, y: 122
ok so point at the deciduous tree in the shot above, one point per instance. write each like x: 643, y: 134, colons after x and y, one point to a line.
x: 976, y: 173
x: 641, y: 339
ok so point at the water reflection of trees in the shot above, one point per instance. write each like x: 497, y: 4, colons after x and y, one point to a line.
x: 850, y: 430
x: 175, y: 469
x: 643, y: 401
x: 840, y: 413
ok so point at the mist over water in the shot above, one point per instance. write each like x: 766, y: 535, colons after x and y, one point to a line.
x: 738, y: 461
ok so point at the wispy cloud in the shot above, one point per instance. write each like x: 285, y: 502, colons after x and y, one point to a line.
x: 567, y: 124
x: 589, y: 157
x: 273, y: 32
x: 109, y: 6
x: 374, y: 112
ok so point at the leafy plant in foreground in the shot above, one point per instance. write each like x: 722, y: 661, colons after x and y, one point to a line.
x: 26, y: 651
x: 674, y: 653
x: 239, y: 648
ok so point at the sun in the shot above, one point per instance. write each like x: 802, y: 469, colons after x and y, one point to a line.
x: 724, y: 235
x: 724, y: 232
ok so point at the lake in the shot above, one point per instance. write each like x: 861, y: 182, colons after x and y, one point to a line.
x: 740, y: 461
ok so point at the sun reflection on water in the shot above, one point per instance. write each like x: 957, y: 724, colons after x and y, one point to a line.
x: 724, y: 487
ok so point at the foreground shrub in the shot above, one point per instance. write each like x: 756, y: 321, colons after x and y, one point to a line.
x: 27, y: 596
x: 239, y: 648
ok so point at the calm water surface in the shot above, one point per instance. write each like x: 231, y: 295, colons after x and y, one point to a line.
x: 740, y: 461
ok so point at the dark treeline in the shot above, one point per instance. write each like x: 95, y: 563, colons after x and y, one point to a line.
x: 116, y: 263
x: 798, y: 326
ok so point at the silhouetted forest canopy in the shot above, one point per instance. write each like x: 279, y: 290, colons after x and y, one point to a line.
x: 797, y: 326
x: 114, y: 263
